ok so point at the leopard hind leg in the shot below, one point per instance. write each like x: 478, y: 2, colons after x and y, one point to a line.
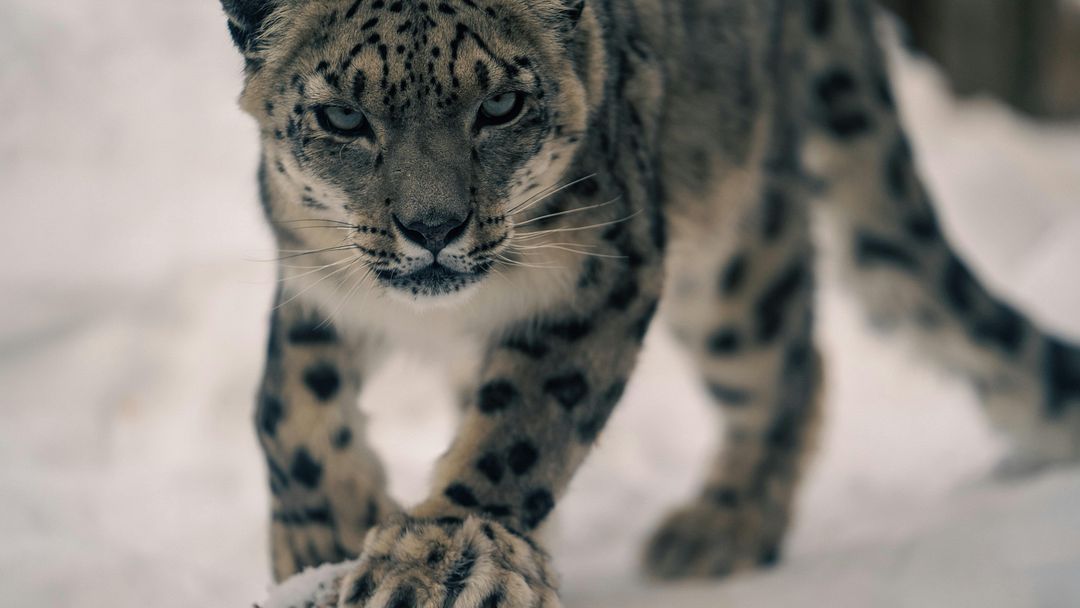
x: 740, y: 301
x: 903, y: 268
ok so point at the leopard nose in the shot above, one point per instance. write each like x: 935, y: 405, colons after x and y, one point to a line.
x: 433, y: 236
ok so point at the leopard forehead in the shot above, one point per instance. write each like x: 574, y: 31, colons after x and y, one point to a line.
x: 409, y: 61
x: 419, y: 71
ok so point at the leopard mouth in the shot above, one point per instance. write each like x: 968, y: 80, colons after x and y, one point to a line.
x: 432, y: 280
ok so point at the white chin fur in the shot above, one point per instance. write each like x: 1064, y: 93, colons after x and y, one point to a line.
x: 424, y: 303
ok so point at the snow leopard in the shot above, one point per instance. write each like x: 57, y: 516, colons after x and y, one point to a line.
x: 514, y: 187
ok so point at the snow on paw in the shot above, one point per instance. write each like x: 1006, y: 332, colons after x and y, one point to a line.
x: 313, y: 588
x: 449, y: 563
x: 706, y: 540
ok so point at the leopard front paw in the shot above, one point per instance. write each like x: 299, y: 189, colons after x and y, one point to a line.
x: 449, y: 563
x: 710, y: 540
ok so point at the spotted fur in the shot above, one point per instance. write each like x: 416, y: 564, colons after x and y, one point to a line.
x: 661, y: 148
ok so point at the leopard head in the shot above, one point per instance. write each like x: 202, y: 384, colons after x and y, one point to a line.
x: 411, y: 134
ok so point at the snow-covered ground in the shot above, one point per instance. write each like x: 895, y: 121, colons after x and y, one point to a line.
x: 132, y: 318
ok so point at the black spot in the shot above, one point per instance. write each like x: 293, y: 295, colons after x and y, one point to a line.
x: 371, y: 517
x: 724, y: 342
x: 623, y: 295
x: 1062, y: 364
x: 773, y: 304
x: 491, y: 467
x: 361, y: 590
x: 523, y: 457
x: 834, y: 85
x: 494, y: 600
x: 279, y: 479
x: 820, y: 17
x: 770, y: 556
x: 589, y: 430
x: 349, y: 14
x: 458, y: 577
x: 496, y: 511
x: 784, y: 433
x: 271, y: 413
x: 496, y: 396
x: 405, y: 597
x: 726, y: 498
x: 884, y: 91
x: 435, y: 557
x: 359, y: 85
x: 312, y: 333
x: 587, y: 188
x: 570, y: 330
x: 342, y: 438
x: 897, y: 169
x: 568, y: 389
x: 590, y: 274
x: 319, y: 516
x: 1004, y: 328
x: 641, y: 327
x: 538, y: 504
x: 531, y: 348
x: 849, y: 124
x: 273, y: 342
x: 871, y: 249
x: 461, y: 495
x: 924, y: 227
x: 728, y: 395
x: 774, y: 214
x: 734, y: 275
x: 324, y: 380
x: 837, y: 92
x: 959, y: 284
x: 613, y: 394
x: 305, y: 469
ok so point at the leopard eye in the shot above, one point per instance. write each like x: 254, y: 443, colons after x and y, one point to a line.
x: 501, y: 109
x: 343, y: 121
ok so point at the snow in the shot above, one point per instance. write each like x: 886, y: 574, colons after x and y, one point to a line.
x: 132, y: 323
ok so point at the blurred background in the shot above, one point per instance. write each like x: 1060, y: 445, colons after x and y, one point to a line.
x: 134, y: 292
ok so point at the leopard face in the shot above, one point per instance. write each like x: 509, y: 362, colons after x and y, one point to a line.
x: 417, y: 129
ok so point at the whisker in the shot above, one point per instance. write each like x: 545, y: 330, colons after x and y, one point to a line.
x: 578, y: 210
x: 315, y: 219
x: 543, y: 195
x: 511, y: 262
x: 316, y: 283
x: 349, y: 294
x: 342, y: 245
x: 577, y: 251
x: 330, y: 227
x: 315, y: 269
x: 580, y: 228
x: 305, y: 253
x: 527, y: 246
x: 503, y: 276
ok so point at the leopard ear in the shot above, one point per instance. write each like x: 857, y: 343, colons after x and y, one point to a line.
x: 571, y: 14
x: 573, y: 9
x: 561, y: 16
x: 247, y: 20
